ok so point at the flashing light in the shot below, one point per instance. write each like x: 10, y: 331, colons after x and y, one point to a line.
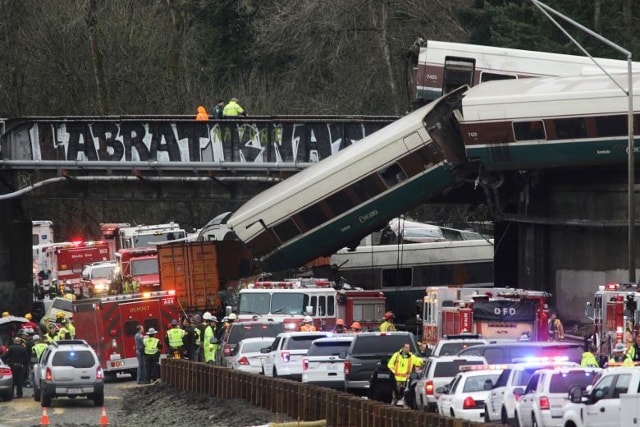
x: 428, y: 388
x: 285, y: 356
x: 611, y: 286
x: 171, y: 291
x: 544, y: 403
x: 493, y: 367
x: 469, y: 403
x: 146, y: 295
x: 541, y: 359
x: 243, y: 361
x: 289, y: 325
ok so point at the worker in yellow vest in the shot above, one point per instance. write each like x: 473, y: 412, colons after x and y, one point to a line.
x: 387, y: 325
x: 175, y: 339
x: 402, y: 364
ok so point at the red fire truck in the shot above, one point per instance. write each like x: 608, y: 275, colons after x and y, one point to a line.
x: 490, y: 312
x: 64, y: 261
x: 614, y: 313
x: 137, y: 265
x: 109, y: 324
x: 291, y: 300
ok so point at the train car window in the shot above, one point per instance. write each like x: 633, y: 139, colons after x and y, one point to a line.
x: 397, y: 277
x: 611, y: 125
x: 413, y: 163
x: 339, y: 202
x: 368, y: 187
x: 313, y: 216
x: 457, y: 72
x: 286, y: 230
x: 392, y: 175
x: 527, y: 131
x: 487, y: 77
x: 570, y: 128
x: 264, y: 243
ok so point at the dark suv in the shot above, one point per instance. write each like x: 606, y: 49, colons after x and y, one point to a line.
x: 68, y: 368
x: 241, y: 330
x: 366, y: 350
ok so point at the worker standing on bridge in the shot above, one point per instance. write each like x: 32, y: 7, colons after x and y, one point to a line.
x: 233, y: 109
x: 387, y: 325
x: 218, y: 111
x: 202, y: 114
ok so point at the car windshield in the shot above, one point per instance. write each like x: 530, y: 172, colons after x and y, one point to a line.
x: 254, y: 346
x: 301, y: 342
x: 381, y: 344
x: 480, y: 382
x: 75, y: 358
x: 240, y: 331
x: 562, y: 382
x: 143, y: 240
x: 328, y: 348
x: 289, y: 303
x: 452, y: 367
x: 102, y: 272
x: 144, y: 266
x: 449, y: 349
x: 254, y: 303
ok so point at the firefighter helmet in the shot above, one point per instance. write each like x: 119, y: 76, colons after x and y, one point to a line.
x: 60, y: 315
x: 28, y: 316
x: 388, y: 315
x: 174, y: 322
x: 233, y: 316
x: 152, y: 331
x: 36, y: 337
x: 307, y: 319
x: 5, y: 314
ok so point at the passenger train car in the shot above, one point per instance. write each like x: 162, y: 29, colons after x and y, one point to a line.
x: 356, y: 191
x: 444, y: 66
x: 548, y: 122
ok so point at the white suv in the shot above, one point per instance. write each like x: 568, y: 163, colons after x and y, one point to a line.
x: 284, y: 355
x: 504, y: 396
x: 324, y: 362
x: 68, y: 368
x: 450, y: 345
x: 547, y: 393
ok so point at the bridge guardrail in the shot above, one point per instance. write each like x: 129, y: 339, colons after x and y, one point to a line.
x: 299, y: 401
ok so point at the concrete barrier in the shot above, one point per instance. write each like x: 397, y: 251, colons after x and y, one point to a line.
x: 302, y: 402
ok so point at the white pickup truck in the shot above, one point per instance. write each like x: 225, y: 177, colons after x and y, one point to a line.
x: 604, y: 405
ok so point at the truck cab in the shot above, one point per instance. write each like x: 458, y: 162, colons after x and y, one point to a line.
x: 139, y: 266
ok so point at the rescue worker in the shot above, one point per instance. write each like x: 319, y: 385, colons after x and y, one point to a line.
x: 556, y: 330
x: 30, y: 324
x: 68, y: 293
x: 52, y: 334
x: 141, y: 375
x: 387, y: 325
x: 209, y: 348
x: 589, y: 359
x: 175, y: 339
x: 17, y: 358
x: 218, y: 111
x: 617, y: 355
x: 189, y: 337
x: 402, y: 363
x: 340, y: 329
x: 356, y: 328
x: 197, y: 339
x: 202, y: 114
x: 36, y: 353
x: 71, y: 327
x: 233, y: 109
x: 63, y: 332
x: 152, y: 348
x: 307, y: 325
x: 633, y: 353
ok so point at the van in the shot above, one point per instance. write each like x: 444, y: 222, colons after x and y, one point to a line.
x: 512, y: 352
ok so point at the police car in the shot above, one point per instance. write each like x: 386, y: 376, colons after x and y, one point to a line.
x: 464, y: 397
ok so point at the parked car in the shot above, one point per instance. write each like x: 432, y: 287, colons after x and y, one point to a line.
x: 246, y: 356
x: 502, y: 400
x: 451, y: 345
x: 365, y: 352
x: 6, y: 381
x: 547, y: 393
x: 513, y: 352
x: 68, y: 368
x: 241, y: 330
x: 436, y: 373
x: 465, y: 396
x: 324, y: 363
x: 284, y: 355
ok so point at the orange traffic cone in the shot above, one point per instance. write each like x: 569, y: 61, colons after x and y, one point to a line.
x: 44, y: 420
x: 104, y: 421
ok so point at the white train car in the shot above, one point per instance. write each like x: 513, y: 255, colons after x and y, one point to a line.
x: 356, y: 191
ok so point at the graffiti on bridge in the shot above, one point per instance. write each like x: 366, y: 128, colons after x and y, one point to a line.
x: 182, y: 141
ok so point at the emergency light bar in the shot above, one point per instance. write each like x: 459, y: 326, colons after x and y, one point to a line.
x: 541, y: 359
x: 494, y: 367
x: 622, y: 365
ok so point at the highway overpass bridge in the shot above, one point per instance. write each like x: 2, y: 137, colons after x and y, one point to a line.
x: 558, y: 230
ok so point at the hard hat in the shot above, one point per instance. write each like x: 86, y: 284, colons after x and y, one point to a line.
x: 619, y: 348
x: 340, y: 322
x: 5, y: 314
x: 388, y: 315
x: 307, y: 319
x: 17, y: 340
x: 60, y: 315
x: 36, y: 337
x: 213, y: 318
x: 22, y: 332
x: 174, y: 322
x: 151, y: 331
x: 67, y: 289
x: 206, y: 316
x: 28, y: 316
x: 355, y: 325
x: 233, y: 316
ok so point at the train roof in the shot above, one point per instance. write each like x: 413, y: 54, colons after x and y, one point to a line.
x: 548, y: 97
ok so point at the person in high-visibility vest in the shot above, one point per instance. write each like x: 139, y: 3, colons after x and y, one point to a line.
x: 175, y: 338
x: 387, y: 325
x: 307, y: 325
x: 402, y: 364
x: 589, y: 359
x: 152, y: 348
x: 209, y: 333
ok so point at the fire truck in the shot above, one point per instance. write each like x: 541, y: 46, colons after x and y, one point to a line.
x: 495, y: 313
x: 63, y: 262
x: 126, y: 236
x: 289, y: 301
x: 109, y: 324
x: 614, y: 313
x: 139, y: 266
